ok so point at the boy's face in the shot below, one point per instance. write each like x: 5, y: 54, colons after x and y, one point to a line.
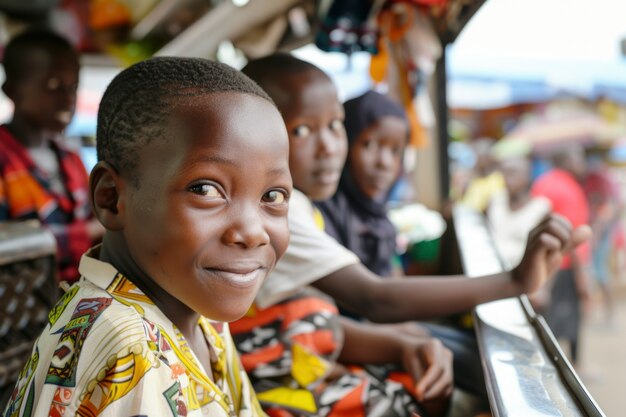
x: 317, y: 138
x: 376, y: 156
x: 208, y: 220
x: 516, y: 173
x: 45, y: 95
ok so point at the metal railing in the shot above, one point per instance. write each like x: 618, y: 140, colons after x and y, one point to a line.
x: 526, y: 373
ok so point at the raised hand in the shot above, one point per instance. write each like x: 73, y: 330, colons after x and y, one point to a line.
x: 547, y: 243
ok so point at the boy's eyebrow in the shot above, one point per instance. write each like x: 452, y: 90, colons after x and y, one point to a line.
x: 215, y: 159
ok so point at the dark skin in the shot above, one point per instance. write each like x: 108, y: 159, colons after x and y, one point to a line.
x: 44, y: 98
x: 376, y: 156
x: 203, y: 227
x: 396, y: 300
x: 44, y: 95
x: 317, y: 153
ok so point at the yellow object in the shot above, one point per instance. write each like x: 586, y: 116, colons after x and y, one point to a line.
x: 306, y: 367
x: 297, y: 398
x: 480, y: 191
x: 318, y: 218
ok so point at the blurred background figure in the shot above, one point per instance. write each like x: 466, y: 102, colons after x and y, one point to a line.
x: 513, y: 212
x: 562, y: 185
x: 40, y: 178
x: 604, y: 204
x: 486, y: 181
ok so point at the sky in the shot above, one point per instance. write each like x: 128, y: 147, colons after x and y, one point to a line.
x: 545, y: 29
x: 525, y: 50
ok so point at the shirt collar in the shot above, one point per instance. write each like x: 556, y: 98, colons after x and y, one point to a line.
x: 99, y: 272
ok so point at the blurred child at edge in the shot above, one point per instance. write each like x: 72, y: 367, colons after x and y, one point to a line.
x: 40, y: 178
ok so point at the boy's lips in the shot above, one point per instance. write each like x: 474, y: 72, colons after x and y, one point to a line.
x: 380, y: 181
x: 63, y: 116
x: 238, y: 274
x: 327, y: 177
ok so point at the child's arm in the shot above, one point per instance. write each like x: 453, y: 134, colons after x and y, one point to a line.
x: 394, y: 300
x: 425, y: 359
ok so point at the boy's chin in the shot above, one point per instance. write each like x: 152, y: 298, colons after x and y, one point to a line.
x: 233, y: 313
x: 322, y: 194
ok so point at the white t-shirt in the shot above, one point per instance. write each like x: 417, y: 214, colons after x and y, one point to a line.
x: 311, y: 255
x: 510, y: 228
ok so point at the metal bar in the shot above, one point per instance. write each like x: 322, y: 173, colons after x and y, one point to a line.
x: 526, y: 373
x: 442, y: 126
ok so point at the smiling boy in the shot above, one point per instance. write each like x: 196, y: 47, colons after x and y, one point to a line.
x: 192, y: 230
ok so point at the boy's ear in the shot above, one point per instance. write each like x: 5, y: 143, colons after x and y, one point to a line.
x: 107, y: 188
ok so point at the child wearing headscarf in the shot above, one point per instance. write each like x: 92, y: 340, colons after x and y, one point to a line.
x: 356, y: 215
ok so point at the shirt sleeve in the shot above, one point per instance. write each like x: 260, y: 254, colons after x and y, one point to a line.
x: 311, y: 255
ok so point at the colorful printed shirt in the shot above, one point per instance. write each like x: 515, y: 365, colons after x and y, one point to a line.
x: 25, y: 193
x: 290, y: 352
x: 109, y: 351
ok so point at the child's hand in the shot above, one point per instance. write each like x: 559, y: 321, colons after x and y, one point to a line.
x: 429, y: 362
x: 544, y: 251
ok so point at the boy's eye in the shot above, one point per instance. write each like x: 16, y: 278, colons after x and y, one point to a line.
x: 53, y: 84
x: 207, y: 190
x: 274, y: 197
x: 369, y: 144
x: 302, y: 131
x: 336, y: 124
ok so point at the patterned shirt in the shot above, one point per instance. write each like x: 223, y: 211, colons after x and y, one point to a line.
x: 26, y: 193
x: 109, y: 351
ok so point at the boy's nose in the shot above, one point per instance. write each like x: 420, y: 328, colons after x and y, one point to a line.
x: 385, y: 157
x: 247, y: 229
x: 327, y: 143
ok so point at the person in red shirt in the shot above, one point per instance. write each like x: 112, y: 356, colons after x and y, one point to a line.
x: 562, y: 186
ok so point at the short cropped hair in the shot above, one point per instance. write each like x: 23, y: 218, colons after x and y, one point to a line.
x: 271, y: 70
x: 17, y: 50
x: 135, y: 106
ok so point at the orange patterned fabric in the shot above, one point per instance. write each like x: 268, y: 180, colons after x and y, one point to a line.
x: 289, y: 351
x: 25, y: 194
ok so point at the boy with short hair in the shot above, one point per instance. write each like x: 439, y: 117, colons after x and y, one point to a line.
x: 192, y: 230
x: 39, y: 177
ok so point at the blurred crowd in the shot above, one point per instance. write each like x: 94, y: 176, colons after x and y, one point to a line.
x: 515, y: 187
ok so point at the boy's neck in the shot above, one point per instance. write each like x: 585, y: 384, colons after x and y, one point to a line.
x: 115, y: 251
x: 27, y: 134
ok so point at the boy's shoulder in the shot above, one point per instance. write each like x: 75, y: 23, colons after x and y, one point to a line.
x: 89, y: 316
x: 92, y: 337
